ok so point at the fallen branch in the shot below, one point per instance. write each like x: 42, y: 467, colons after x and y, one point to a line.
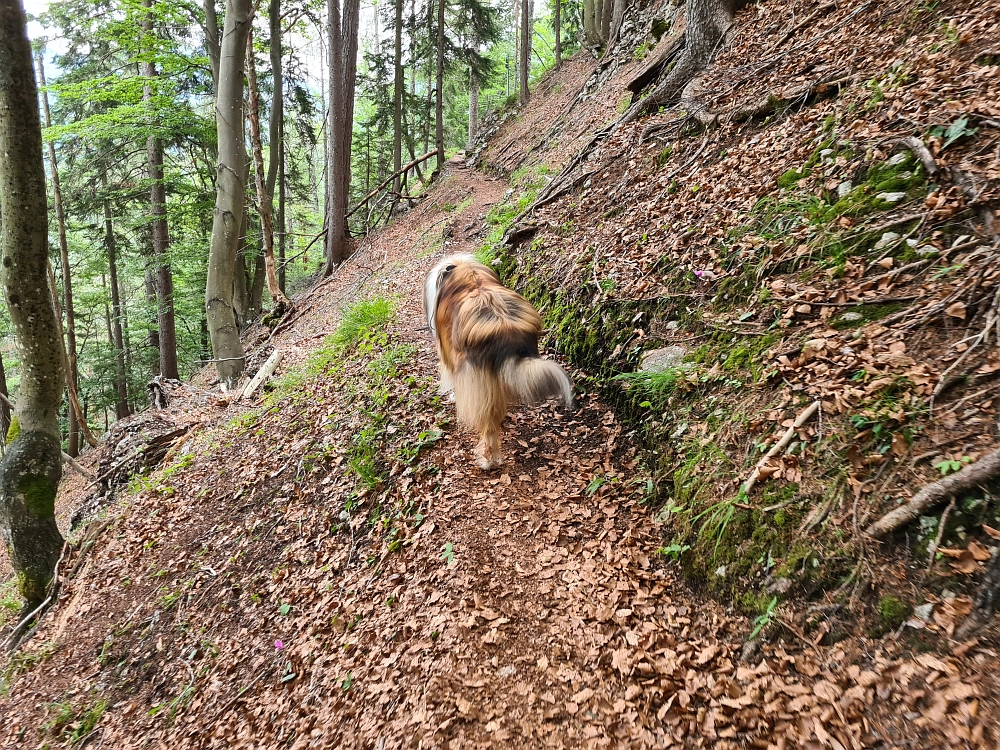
x: 919, y: 150
x: 402, y: 170
x: 779, y: 446
x: 262, y: 374
x: 939, y: 537
x: 935, y: 493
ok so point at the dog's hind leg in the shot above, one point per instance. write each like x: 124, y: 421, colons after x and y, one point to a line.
x: 488, y: 451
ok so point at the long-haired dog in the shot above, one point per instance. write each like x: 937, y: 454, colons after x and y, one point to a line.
x: 487, y: 342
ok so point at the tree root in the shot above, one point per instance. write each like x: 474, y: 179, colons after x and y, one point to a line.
x: 935, y: 493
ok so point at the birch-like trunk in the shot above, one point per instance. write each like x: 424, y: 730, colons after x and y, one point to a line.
x: 439, y: 91
x: 117, y: 334
x: 227, y: 349
x: 32, y: 465
x: 264, y: 198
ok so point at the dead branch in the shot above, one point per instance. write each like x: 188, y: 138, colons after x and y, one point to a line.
x: 824, y: 8
x: 919, y: 150
x: 263, y: 374
x: 940, y: 536
x: 804, y: 417
x: 935, y: 493
x: 402, y: 170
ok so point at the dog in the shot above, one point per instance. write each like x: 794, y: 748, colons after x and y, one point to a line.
x: 487, y: 344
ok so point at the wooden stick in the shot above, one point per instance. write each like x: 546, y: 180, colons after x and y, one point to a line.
x: 919, y: 150
x: 779, y: 446
x: 262, y: 374
x: 940, y: 536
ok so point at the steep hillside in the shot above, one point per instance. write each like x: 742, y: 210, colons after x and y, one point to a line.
x: 322, y: 565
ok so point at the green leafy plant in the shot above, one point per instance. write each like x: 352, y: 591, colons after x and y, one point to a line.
x: 448, y: 553
x: 958, y: 130
x: 765, y: 618
x: 950, y: 466
x: 673, y: 551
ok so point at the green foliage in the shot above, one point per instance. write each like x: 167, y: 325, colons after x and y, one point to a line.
x: 765, y: 618
x: 362, y: 319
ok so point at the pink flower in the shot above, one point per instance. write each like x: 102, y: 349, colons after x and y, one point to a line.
x: 279, y: 645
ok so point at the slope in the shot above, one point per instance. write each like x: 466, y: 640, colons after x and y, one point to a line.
x: 325, y: 567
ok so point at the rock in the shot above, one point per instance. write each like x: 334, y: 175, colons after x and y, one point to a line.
x: 890, y: 197
x: 826, y: 154
x: 779, y: 586
x: 659, y: 360
x: 672, y: 325
x: 851, y: 317
x: 887, y: 238
x: 926, y: 251
x: 898, y: 159
x: 844, y: 189
x: 924, y: 612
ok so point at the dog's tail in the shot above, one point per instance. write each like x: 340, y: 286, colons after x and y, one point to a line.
x: 532, y: 380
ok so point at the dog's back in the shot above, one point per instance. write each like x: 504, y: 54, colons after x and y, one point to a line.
x: 487, y: 338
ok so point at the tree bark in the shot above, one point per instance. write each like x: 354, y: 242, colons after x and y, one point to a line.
x: 227, y: 348
x: 32, y: 465
x: 607, y: 10
x: 473, y: 105
x: 73, y: 372
x: 397, y: 99
x: 349, y: 36
x: 264, y: 197
x: 335, y: 250
x: 117, y: 339
x: 708, y: 21
x: 161, y: 238
x: 276, y: 135
x: 524, y: 64
x: 5, y: 413
x: 558, y: 31
x: 439, y: 90
x: 589, y: 28
x: 211, y: 30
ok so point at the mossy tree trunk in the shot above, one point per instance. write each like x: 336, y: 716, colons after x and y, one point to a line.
x: 227, y: 349
x: 31, y: 467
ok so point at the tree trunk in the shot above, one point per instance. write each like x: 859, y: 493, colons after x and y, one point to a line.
x: 117, y: 339
x: 161, y: 239
x: 335, y: 250
x: 276, y: 165
x: 227, y: 348
x: 349, y: 36
x: 73, y: 372
x: 558, y: 31
x: 430, y: 86
x: 4, y: 408
x: 32, y: 465
x: 473, y: 105
x: 439, y: 90
x: 524, y: 64
x: 590, y: 31
x: 211, y: 29
x: 607, y: 10
x: 707, y: 23
x: 617, y: 15
x: 241, y: 289
x: 264, y: 197
x: 397, y: 99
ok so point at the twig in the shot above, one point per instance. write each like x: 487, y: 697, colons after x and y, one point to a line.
x: 779, y: 446
x: 940, y: 535
x: 919, y: 150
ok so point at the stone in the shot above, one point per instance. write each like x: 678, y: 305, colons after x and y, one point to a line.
x: 887, y: 239
x: 890, y: 197
x: 851, y: 317
x: 844, y: 189
x: 898, y: 159
x: 659, y: 360
x: 924, y: 612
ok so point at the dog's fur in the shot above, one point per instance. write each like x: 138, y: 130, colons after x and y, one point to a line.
x: 487, y: 342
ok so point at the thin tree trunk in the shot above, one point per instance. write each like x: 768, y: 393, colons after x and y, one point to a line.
x: 558, y: 31
x: 276, y: 164
x: 439, y: 90
x: 32, y: 465
x: 430, y: 85
x: 607, y: 8
x: 76, y: 416
x: 264, y: 200
x: 161, y: 238
x: 397, y: 99
x: 349, y: 37
x: 473, y: 105
x: 228, y: 215
x: 335, y: 252
x: 72, y: 373
x: 211, y: 29
x: 118, y: 339
x: 4, y: 409
x: 525, y: 62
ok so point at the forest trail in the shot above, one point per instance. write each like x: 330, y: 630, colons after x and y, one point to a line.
x: 237, y: 601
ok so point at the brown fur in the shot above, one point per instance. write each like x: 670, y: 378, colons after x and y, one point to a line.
x: 487, y: 341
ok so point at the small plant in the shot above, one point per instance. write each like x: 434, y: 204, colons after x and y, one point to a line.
x: 950, y: 465
x: 765, y: 618
x: 673, y: 551
x: 448, y: 553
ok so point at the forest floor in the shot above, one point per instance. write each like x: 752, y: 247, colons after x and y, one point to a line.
x: 324, y: 566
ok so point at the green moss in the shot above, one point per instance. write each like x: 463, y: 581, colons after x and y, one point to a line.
x: 39, y: 494
x: 867, y: 314
x: 792, y: 177
x: 892, y: 613
x: 14, y: 430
